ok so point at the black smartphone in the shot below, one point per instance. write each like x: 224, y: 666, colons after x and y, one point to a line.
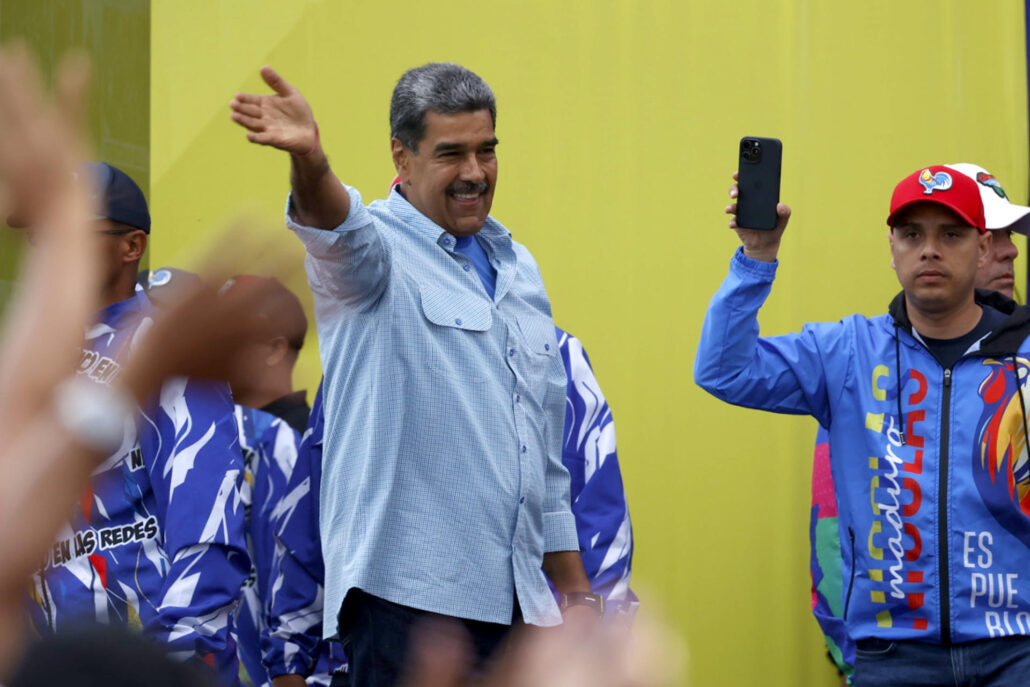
x: 758, y: 179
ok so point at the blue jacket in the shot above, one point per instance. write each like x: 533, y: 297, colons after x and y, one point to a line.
x: 156, y: 542
x: 930, y: 465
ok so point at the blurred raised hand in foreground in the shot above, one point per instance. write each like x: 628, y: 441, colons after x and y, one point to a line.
x: 54, y: 425
x: 617, y: 653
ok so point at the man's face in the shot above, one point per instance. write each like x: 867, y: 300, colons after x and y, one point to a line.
x: 936, y: 255
x: 451, y: 180
x: 121, y: 245
x: 998, y: 272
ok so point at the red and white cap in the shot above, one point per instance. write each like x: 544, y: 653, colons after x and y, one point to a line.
x: 999, y: 211
x: 943, y: 185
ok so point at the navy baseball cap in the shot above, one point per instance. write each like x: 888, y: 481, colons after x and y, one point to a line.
x: 120, y: 199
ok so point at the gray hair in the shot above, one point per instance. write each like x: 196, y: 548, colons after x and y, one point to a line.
x: 442, y: 87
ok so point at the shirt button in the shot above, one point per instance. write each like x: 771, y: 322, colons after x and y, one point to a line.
x: 511, y: 352
x: 518, y: 398
x: 547, y: 347
x: 523, y: 448
x: 466, y: 267
x: 458, y: 321
x: 522, y: 500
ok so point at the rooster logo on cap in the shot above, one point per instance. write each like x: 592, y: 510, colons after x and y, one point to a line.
x: 941, y: 181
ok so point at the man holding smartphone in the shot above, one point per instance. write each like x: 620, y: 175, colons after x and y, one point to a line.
x: 1003, y: 218
x: 925, y: 411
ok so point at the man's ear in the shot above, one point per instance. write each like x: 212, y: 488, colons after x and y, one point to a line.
x: 278, y: 348
x: 890, y: 240
x: 986, y: 239
x: 401, y: 159
x: 135, y: 246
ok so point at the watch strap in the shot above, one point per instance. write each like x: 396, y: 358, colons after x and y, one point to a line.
x: 595, y: 601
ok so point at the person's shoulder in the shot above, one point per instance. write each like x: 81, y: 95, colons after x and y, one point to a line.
x: 196, y: 397
x: 570, y: 346
x: 852, y: 327
x: 525, y: 258
x: 857, y: 320
x: 380, y: 210
x: 261, y: 419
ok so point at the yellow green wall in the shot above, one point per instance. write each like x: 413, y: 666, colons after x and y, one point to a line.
x: 619, y: 123
x: 116, y: 35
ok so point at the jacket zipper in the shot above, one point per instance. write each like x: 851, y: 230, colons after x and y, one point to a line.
x: 851, y: 584
x: 942, y: 513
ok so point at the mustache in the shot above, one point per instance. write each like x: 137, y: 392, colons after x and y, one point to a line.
x: 468, y: 187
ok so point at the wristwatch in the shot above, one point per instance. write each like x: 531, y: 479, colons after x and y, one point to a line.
x: 594, y: 601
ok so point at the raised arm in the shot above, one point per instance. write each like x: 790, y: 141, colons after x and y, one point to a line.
x: 785, y: 374
x: 284, y: 120
x: 348, y: 259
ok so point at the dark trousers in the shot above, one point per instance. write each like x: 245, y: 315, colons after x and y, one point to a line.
x: 377, y: 635
x: 1000, y: 662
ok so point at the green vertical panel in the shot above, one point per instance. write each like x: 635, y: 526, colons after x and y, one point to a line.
x: 116, y: 35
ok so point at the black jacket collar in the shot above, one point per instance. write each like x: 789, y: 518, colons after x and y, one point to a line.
x: 1004, y: 340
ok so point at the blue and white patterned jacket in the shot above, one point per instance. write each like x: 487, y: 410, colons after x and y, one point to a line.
x: 156, y: 542
x: 269, y: 453
x: 598, y: 496
x: 293, y: 641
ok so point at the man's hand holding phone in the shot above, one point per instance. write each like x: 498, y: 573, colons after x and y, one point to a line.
x: 759, y: 244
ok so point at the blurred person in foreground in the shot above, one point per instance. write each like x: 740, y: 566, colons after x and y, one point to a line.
x: 926, y: 413
x: 104, y: 656
x: 612, y: 654
x: 997, y: 273
x: 69, y: 424
x: 443, y: 488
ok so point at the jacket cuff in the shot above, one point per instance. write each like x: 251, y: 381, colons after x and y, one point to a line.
x: 560, y: 532
x: 754, y: 268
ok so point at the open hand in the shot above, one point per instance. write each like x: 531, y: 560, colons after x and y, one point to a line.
x: 758, y: 244
x: 282, y: 120
x: 40, y: 140
x: 41, y: 148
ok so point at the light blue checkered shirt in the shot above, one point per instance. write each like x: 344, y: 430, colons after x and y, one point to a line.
x: 442, y: 477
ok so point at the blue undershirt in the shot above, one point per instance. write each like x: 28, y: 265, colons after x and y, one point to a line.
x: 470, y: 248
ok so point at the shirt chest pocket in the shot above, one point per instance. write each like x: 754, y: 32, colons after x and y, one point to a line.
x: 459, y: 323
x: 543, y: 364
x: 539, y: 335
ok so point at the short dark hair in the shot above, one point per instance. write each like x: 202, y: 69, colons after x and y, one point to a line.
x: 442, y: 87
